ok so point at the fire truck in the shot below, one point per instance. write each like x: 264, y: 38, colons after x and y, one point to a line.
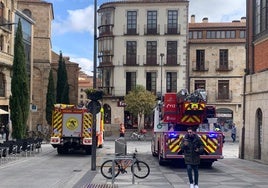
x: 171, y: 120
x: 72, y: 128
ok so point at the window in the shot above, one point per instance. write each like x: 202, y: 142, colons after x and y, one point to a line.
x: 200, y: 59
x: 130, y: 81
x: 81, y: 90
x: 81, y: 96
x: 172, y: 22
x: 242, y: 34
x: 200, y: 84
x: 223, y: 59
x: 152, y: 22
x: 131, y: 53
x: 223, y: 89
x: 172, y: 52
x: 132, y: 22
x: 195, y: 35
x: 2, y: 85
x: 1, y: 43
x: 171, y: 82
x: 151, y: 54
x: 27, y: 12
x: 107, y: 113
x: 151, y: 81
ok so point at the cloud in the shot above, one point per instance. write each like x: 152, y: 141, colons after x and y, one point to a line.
x: 79, y: 20
x: 217, y: 10
x: 85, y: 64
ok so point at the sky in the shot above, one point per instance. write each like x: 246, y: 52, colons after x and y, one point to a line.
x: 73, y: 24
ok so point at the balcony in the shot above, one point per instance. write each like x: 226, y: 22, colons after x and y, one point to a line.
x: 200, y: 67
x: 150, y: 60
x: 151, y: 31
x: 130, y: 60
x: 105, y: 30
x: 131, y: 31
x: 108, y: 90
x: 224, y: 97
x: 5, y: 24
x: 172, y: 60
x: 224, y: 66
x: 172, y: 30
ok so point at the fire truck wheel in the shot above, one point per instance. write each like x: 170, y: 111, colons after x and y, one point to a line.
x: 61, y: 150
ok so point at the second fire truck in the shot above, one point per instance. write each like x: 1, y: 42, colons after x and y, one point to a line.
x: 174, y: 116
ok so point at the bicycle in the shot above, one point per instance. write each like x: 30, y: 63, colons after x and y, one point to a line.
x: 140, y: 169
x: 138, y: 135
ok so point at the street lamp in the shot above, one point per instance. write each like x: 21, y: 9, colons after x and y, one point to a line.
x: 94, y: 141
x: 161, y: 55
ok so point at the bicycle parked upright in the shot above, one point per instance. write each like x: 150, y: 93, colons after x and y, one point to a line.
x: 139, y: 168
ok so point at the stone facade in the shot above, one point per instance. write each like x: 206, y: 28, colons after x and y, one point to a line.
x: 42, y: 13
x: 206, y: 71
x: 120, y: 72
x: 254, y: 145
x: 6, y: 54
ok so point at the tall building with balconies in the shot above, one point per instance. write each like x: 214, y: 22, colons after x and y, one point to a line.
x: 217, y: 57
x: 255, y: 130
x: 7, y: 15
x: 140, y: 42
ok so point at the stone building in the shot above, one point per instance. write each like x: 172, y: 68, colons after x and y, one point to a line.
x: 140, y: 43
x: 42, y: 14
x: 255, y: 131
x: 217, y: 57
x: 84, y: 82
x: 7, y: 31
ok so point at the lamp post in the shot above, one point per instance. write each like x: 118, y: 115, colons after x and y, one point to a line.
x: 94, y: 141
x: 161, y: 71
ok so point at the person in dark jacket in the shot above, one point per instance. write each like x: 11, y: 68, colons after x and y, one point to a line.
x: 192, y: 147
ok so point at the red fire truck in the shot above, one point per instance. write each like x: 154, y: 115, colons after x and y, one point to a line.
x: 72, y: 128
x: 174, y: 116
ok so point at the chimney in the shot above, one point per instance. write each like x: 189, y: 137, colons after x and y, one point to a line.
x: 193, y: 18
x: 243, y: 19
x: 205, y: 20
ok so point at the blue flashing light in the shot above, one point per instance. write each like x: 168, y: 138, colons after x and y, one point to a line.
x: 212, y: 135
x: 172, y: 135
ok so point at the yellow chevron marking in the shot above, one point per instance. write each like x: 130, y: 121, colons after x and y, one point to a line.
x: 174, y: 144
x: 210, y: 144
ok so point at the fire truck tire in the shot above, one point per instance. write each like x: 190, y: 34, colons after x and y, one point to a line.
x: 161, y: 160
x: 61, y: 150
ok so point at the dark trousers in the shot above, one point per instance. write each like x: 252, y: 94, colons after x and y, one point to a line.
x: 233, y: 137
x: 191, y: 168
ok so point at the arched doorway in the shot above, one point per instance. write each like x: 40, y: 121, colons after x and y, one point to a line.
x: 107, y: 113
x: 258, y: 134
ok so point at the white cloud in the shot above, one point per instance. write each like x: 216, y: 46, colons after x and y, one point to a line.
x: 79, y: 20
x: 217, y: 10
x: 85, y: 64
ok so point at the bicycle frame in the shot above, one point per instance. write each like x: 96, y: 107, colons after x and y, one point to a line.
x: 112, y: 168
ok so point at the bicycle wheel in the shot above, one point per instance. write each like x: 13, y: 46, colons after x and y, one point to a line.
x: 107, y: 169
x: 140, y: 169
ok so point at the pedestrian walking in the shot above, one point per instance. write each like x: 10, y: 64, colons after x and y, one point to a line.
x: 122, y: 130
x: 192, y: 147
x: 7, y: 132
x: 233, y: 132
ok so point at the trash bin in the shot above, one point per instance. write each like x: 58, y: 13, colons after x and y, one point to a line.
x: 121, y: 146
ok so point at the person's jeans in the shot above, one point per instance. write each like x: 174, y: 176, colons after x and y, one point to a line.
x: 190, y: 174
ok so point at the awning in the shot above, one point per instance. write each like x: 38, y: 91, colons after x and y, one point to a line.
x: 3, y: 112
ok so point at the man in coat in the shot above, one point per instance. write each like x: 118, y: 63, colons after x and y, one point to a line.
x: 192, y: 147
